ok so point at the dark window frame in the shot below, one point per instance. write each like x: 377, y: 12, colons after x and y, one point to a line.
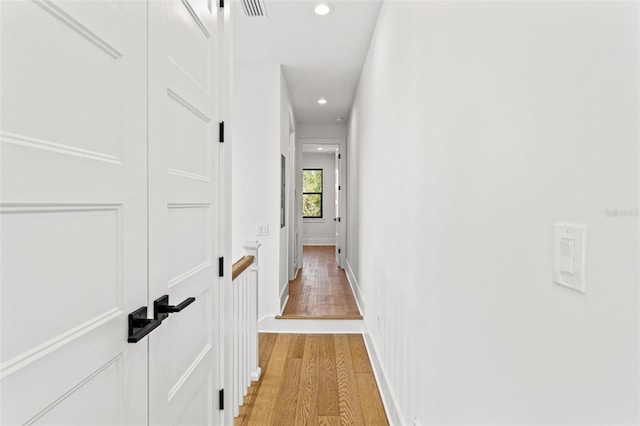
x: 315, y: 193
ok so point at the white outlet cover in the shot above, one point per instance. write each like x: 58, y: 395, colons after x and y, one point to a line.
x: 569, y: 248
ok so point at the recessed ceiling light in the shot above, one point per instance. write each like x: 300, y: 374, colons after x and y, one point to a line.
x: 322, y: 9
x: 320, y: 148
x: 322, y: 101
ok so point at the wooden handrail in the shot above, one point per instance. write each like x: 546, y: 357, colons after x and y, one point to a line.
x: 240, y: 266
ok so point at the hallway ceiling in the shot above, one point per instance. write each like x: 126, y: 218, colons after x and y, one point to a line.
x: 317, y: 148
x: 321, y: 56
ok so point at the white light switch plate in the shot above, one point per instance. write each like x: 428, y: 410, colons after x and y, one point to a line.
x: 262, y: 229
x: 569, y: 250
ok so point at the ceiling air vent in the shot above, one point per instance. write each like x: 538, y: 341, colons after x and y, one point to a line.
x: 253, y: 8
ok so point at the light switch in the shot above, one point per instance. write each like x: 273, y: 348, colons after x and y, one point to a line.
x: 262, y: 229
x: 569, y: 256
x: 567, y: 246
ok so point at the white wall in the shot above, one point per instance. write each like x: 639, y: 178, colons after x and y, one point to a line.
x: 476, y: 127
x: 260, y: 107
x: 352, y: 213
x: 287, y: 126
x: 322, y: 231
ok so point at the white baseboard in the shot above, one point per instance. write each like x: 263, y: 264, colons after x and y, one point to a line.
x: 389, y: 399
x: 270, y: 324
x: 255, y: 375
x: 284, y: 296
x: 355, y: 287
x: 295, y: 275
x: 319, y: 241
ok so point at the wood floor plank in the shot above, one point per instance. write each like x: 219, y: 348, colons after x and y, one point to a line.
x: 328, y: 420
x: 350, y: 411
x: 307, y: 410
x: 321, y: 288
x: 359, y: 355
x: 263, y: 408
x: 327, y: 380
x: 296, y: 349
x: 318, y: 388
x: 370, y: 401
x: 287, y: 400
x: 266, y: 343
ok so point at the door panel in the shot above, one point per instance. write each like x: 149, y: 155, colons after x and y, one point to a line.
x: 92, y: 254
x: 183, y: 209
x: 73, y: 211
x: 198, y: 410
x: 190, y: 24
x: 98, y: 406
x: 189, y: 241
x: 188, y: 139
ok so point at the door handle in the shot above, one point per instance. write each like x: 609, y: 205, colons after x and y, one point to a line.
x: 140, y: 325
x: 162, y: 309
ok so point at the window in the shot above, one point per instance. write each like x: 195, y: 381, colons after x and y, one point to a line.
x: 312, y: 193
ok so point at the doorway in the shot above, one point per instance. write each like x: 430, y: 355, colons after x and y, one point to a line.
x: 321, y: 289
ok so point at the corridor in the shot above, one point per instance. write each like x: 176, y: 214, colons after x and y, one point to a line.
x: 321, y: 289
x: 313, y: 380
x: 477, y: 167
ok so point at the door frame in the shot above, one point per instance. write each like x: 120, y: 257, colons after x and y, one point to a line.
x: 225, y: 309
x: 342, y: 144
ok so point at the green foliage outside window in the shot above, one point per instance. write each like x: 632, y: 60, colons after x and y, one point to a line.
x: 312, y: 193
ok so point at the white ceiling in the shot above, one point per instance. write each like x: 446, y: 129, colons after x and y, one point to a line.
x: 315, y: 148
x: 322, y: 56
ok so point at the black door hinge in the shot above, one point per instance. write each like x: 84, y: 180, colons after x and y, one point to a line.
x: 339, y: 251
x: 339, y: 156
x: 221, y: 3
x: 338, y: 219
x: 339, y: 187
x: 221, y: 399
x: 221, y: 131
x: 221, y: 266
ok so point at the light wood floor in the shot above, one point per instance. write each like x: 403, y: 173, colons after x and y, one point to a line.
x: 313, y: 379
x: 321, y: 289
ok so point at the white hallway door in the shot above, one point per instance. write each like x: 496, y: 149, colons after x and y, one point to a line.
x: 184, y: 209
x: 91, y: 228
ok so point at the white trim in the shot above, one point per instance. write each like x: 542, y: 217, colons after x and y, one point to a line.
x: 284, y: 296
x: 313, y: 220
x: 319, y: 241
x: 21, y: 140
x: 58, y: 13
x: 389, y: 400
x: 182, y: 380
x: 37, y: 352
x: 252, y: 245
x: 255, y: 375
x: 269, y: 324
x: 225, y: 304
x: 355, y: 287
